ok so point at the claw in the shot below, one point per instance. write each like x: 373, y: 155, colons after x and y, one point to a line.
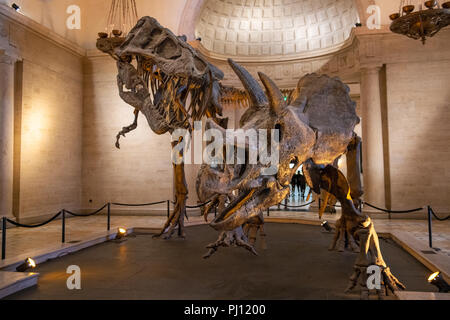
x: 127, y: 129
x: 391, y: 283
x: 230, y: 238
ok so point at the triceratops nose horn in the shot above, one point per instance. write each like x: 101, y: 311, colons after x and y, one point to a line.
x: 254, y: 90
x: 276, y: 98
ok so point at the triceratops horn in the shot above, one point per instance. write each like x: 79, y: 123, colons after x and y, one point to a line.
x: 276, y: 98
x: 254, y: 90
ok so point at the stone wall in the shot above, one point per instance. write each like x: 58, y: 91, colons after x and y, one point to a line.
x: 419, y: 134
x: 413, y: 89
x: 141, y: 171
x: 48, y: 118
x: 71, y: 113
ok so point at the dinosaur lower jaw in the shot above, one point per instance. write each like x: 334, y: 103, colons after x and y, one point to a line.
x: 156, y: 119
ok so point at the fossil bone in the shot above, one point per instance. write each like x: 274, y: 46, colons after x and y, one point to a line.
x: 158, y: 72
x: 316, y: 129
x: 165, y: 79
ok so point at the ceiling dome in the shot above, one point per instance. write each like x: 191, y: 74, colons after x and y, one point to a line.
x: 274, y: 28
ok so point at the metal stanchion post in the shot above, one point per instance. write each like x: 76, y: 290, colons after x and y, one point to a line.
x: 3, y: 238
x: 109, y: 217
x: 168, y: 208
x: 63, y: 219
x: 430, y: 231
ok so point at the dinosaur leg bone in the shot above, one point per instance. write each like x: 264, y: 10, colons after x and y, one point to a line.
x: 370, y: 255
x: 251, y: 229
x: 341, y: 236
x: 176, y: 218
x: 361, y: 227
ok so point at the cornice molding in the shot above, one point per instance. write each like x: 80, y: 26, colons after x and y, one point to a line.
x: 30, y: 25
x: 286, y: 74
x: 95, y: 53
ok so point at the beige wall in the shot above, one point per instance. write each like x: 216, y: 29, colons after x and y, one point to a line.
x: 49, y: 167
x: 419, y: 134
x: 141, y: 171
x: 72, y: 113
x: 52, y: 15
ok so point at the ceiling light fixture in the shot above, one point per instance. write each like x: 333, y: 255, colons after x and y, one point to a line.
x: 421, y: 24
x: 122, y: 17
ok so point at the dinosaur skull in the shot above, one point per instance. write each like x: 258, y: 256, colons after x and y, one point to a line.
x: 303, y: 136
x: 168, y: 71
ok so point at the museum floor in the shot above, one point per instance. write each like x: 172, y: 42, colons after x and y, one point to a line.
x: 410, y: 234
x: 141, y: 268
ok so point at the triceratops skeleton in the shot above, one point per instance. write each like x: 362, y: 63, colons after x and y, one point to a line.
x: 315, y: 125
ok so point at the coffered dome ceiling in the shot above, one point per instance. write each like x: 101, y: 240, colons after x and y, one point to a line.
x: 275, y: 28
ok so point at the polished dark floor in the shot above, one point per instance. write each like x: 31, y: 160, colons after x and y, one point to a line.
x: 296, y: 265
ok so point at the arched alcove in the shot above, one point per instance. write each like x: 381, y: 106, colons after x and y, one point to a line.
x: 274, y: 28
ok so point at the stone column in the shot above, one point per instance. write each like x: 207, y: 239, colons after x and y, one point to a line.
x: 6, y: 133
x: 372, y: 135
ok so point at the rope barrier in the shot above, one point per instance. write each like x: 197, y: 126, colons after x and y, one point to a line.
x: 301, y: 206
x: 34, y: 226
x: 393, y: 211
x: 108, y: 205
x: 138, y: 205
x: 437, y: 218
x: 86, y: 215
x: 193, y: 207
x: 198, y: 206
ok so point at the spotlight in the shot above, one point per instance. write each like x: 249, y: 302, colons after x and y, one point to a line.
x: 437, y: 280
x: 326, y: 226
x: 28, y: 264
x: 15, y: 7
x: 121, y: 233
